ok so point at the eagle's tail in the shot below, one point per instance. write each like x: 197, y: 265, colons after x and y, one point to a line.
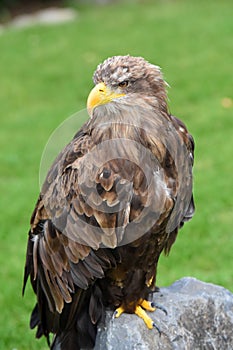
x: 71, y: 340
x: 79, y: 324
x: 76, y: 327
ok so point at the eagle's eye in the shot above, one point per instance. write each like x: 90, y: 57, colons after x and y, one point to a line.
x: 123, y: 84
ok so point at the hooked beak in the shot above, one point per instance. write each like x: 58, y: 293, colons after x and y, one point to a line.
x: 100, y: 95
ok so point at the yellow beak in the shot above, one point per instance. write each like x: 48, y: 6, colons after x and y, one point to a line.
x: 100, y: 95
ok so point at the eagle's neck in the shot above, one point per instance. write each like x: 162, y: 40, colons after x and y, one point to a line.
x: 123, y: 120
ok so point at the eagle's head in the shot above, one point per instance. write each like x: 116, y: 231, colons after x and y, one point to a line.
x: 129, y: 80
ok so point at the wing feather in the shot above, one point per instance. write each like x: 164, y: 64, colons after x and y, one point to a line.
x: 95, y: 199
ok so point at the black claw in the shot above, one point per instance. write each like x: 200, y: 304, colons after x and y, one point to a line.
x: 155, y: 326
x: 114, y: 314
x: 160, y: 307
x: 152, y: 304
x: 154, y: 290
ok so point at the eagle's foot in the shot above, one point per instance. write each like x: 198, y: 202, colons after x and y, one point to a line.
x: 147, y: 305
x: 140, y: 311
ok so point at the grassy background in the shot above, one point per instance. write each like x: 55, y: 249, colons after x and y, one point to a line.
x: 45, y: 76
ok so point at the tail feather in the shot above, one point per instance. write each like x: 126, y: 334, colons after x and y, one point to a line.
x: 76, y: 327
x: 70, y: 340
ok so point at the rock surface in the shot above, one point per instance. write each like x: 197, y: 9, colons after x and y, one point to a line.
x: 199, y: 317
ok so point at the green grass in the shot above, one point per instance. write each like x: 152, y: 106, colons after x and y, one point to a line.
x: 45, y: 76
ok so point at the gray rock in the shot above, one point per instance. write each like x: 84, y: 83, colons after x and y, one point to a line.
x: 199, y: 317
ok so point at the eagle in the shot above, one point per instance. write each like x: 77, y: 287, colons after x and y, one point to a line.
x: 112, y: 202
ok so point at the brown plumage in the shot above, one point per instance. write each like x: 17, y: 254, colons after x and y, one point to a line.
x: 112, y: 201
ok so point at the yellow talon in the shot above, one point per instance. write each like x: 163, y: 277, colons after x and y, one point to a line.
x: 142, y: 313
x: 139, y: 311
x: 120, y: 310
x: 147, y: 305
